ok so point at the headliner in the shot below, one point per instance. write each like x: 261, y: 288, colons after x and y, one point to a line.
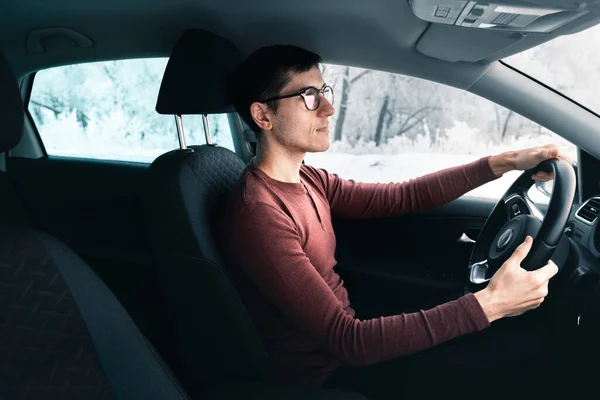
x: 378, y: 34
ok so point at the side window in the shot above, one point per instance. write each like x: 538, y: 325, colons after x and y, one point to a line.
x: 392, y: 128
x: 106, y: 110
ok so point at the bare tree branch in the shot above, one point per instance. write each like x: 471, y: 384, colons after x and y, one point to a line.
x: 408, y: 128
x: 506, y: 121
x: 81, y: 116
x: 405, y: 125
x: 47, y: 107
x: 110, y: 75
x: 357, y: 77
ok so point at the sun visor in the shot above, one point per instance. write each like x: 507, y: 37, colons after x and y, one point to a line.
x: 196, y: 80
x: 454, y: 44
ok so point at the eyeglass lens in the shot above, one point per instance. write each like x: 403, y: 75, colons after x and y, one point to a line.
x: 311, y: 97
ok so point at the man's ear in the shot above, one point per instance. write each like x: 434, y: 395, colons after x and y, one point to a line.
x: 260, y: 115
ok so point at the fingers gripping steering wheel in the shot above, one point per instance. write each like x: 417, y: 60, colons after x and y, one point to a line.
x: 515, y: 216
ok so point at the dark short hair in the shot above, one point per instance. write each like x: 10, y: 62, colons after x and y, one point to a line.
x: 265, y: 73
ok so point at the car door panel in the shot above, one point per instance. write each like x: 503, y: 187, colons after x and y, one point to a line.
x: 395, y: 264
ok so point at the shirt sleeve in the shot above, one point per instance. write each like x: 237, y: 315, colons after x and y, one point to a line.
x: 350, y: 199
x: 269, y: 245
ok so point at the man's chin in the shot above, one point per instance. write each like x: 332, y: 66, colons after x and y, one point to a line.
x: 320, y: 149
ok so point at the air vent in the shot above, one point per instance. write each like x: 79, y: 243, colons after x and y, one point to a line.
x: 589, y: 211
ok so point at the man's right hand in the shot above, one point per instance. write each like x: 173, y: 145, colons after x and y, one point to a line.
x: 514, y: 290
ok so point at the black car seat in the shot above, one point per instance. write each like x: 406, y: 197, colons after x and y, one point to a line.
x: 186, y: 191
x: 63, y: 334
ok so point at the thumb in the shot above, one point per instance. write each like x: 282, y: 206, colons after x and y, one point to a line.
x: 521, y: 251
x: 550, y: 153
x: 546, y: 272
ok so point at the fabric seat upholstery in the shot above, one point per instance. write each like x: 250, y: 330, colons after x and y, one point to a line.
x: 63, y: 334
x: 217, y: 340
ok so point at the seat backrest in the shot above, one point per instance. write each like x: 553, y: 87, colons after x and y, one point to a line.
x: 187, y: 190
x: 63, y: 334
x: 190, y: 187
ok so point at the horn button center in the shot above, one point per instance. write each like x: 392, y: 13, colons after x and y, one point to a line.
x: 511, y: 235
x: 504, y: 239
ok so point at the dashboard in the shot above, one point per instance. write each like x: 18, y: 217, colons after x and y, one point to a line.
x: 583, y: 225
x: 583, y: 266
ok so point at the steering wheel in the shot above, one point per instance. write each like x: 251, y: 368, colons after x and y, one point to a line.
x: 515, y: 216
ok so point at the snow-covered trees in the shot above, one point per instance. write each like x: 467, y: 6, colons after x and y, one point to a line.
x: 107, y: 110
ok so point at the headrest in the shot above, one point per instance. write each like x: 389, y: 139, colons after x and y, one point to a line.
x: 196, y: 80
x: 12, y: 115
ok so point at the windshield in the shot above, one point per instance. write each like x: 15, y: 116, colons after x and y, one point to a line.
x: 569, y: 64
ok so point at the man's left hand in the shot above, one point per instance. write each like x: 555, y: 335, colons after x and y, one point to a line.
x: 529, y: 158
x: 526, y: 159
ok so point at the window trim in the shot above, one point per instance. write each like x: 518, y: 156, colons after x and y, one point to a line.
x: 31, y: 146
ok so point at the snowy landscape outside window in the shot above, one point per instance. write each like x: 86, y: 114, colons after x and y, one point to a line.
x: 392, y: 128
x: 106, y: 110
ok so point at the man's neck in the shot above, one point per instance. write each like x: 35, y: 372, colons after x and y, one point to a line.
x: 279, y: 163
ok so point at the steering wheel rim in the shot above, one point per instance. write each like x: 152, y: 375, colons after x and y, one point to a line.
x: 498, y: 239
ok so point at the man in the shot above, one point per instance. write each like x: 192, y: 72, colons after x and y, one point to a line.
x: 281, y: 242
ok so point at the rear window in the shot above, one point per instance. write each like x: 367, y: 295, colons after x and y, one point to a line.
x: 106, y: 110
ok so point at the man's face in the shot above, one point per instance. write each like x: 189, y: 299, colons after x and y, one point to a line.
x: 296, y: 127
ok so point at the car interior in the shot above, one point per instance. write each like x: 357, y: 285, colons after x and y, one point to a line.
x: 112, y: 284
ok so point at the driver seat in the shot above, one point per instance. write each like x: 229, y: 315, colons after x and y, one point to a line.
x: 187, y: 188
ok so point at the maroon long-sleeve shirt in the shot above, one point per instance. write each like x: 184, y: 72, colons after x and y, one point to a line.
x: 281, y: 258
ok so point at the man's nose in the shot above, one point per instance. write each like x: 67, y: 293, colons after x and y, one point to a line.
x: 326, y: 108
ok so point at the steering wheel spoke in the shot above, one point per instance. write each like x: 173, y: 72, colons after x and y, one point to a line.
x: 518, y: 204
x: 479, y: 272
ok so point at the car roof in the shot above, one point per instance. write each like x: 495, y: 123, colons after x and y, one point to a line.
x: 377, y: 34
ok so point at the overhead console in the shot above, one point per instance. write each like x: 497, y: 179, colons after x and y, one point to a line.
x: 497, y: 15
x: 498, y: 24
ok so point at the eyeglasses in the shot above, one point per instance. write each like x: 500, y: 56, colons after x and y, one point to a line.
x: 311, y: 96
